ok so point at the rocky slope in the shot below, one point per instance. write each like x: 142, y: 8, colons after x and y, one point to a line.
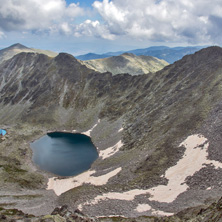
x: 126, y: 63
x: 158, y: 135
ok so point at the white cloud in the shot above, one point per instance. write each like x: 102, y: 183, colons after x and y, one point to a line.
x: 163, y: 20
x: 65, y: 28
x: 2, y: 35
x: 93, y: 28
x: 186, y: 21
x: 37, y: 14
x: 74, y: 10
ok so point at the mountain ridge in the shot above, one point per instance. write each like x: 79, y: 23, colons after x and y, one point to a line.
x: 17, y: 45
x: 126, y: 63
x: 166, y: 53
x: 17, y: 48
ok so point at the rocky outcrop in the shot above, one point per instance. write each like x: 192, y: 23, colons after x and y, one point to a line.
x: 62, y: 214
x: 211, y: 213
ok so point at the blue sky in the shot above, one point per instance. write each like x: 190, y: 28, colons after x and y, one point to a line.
x: 83, y: 3
x: 79, y: 27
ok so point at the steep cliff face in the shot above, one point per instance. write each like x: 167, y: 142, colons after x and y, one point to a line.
x: 40, y: 83
x: 158, y: 135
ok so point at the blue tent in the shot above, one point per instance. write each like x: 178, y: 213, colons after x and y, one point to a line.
x: 2, y: 132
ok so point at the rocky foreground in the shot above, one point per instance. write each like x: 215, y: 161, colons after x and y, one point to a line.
x: 212, y: 213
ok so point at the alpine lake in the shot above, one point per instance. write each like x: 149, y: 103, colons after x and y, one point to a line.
x: 64, y: 154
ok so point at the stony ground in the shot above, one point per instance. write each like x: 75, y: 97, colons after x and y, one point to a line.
x: 212, y: 213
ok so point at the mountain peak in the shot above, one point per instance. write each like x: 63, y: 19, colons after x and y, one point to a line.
x: 128, y: 54
x: 65, y: 57
x: 206, y: 54
x: 17, y: 46
x: 210, y: 50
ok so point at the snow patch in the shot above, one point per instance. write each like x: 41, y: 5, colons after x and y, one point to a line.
x: 120, y: 130
x: 194, y: 159
x: 111, y: 150
x: 146, y: 207
x: 88, y: 132
x: 62, y: 185
x: 143, y: 207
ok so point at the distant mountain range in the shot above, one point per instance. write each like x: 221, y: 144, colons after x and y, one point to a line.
x: 161, y: 52
x: 17, y: 48
x: 126, y: 63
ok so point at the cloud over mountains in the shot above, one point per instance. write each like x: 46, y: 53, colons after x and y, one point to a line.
x: 163, y: 20
x: 38, y: 15
x: 188, y: 21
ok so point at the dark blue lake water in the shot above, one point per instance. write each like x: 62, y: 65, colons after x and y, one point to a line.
x: 64, y: 154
